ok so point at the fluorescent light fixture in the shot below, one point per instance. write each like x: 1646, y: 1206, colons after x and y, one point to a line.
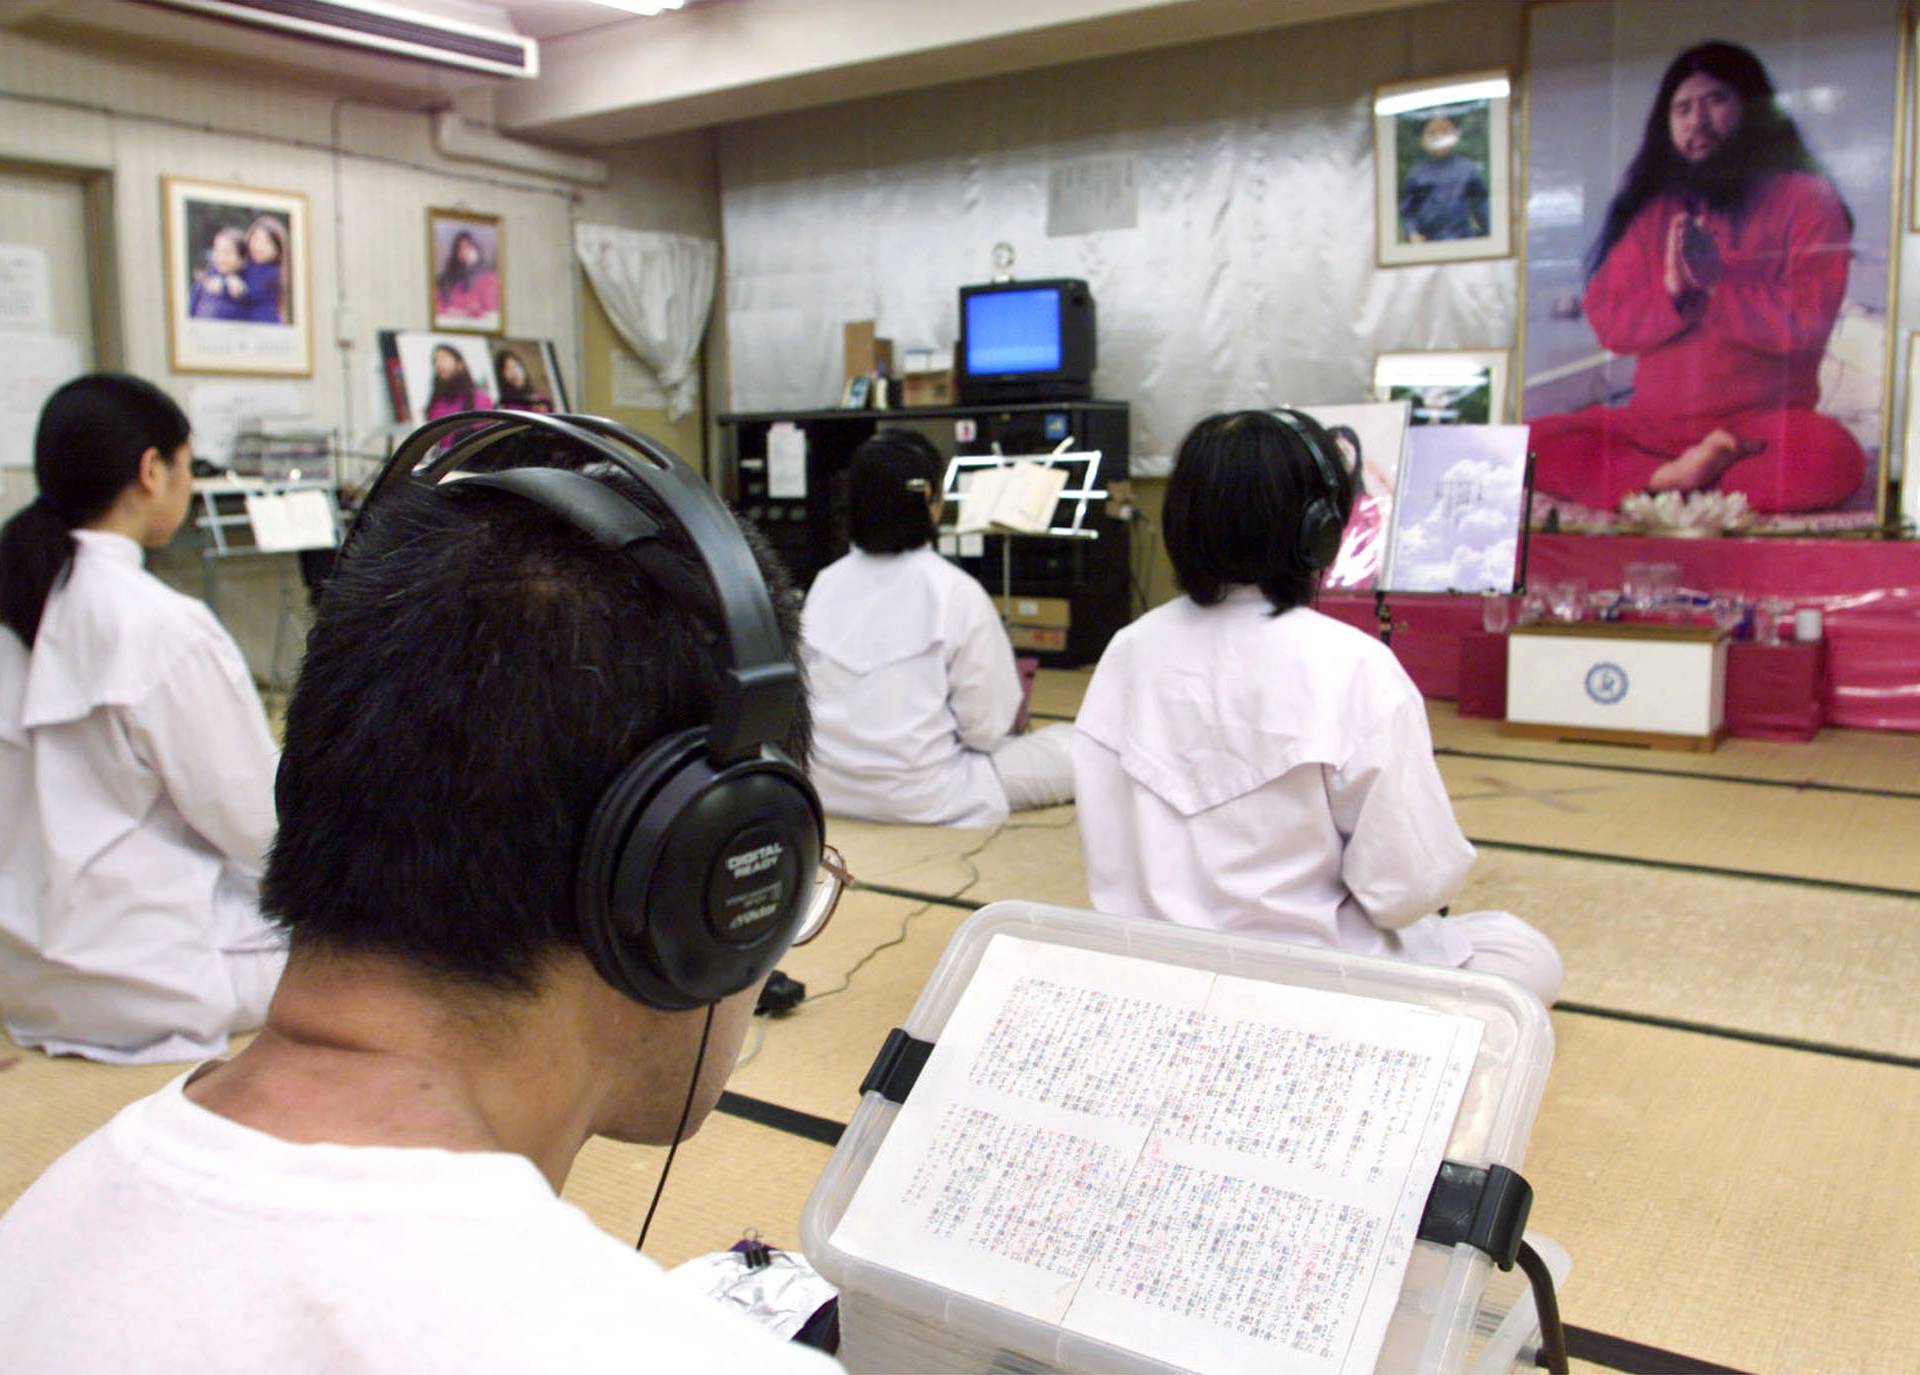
x: 1492, y: 88
x: 646, y: 7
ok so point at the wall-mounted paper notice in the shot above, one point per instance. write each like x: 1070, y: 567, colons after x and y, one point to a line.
x: 297, y: 520
x: 634, y: 384
x: 26, y: 288
x: 1215, y: 1172
x: 786, y: 461
x: 31, y: 366
x: 218, y: 410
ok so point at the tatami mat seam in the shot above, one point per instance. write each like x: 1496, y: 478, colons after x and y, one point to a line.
x: 1694, y: 775
x: 1713, y: 870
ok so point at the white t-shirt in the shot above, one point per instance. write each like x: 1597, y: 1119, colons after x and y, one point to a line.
x: 912, y: 680
x: 1272, y: 774
x: 136, y: 806
x: 174, y: 1239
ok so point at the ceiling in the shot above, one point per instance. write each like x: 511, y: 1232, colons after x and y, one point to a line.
x: 607, y: 77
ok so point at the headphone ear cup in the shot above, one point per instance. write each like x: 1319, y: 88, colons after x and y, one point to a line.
x: 1320, y: 531
x: 693, y: 881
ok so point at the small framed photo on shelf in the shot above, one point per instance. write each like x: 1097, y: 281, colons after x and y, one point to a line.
x: 236, y: 273
x: 1443, y: 169
x: 1461, y: 387
x: 528, y: 374
x: 464, y: 257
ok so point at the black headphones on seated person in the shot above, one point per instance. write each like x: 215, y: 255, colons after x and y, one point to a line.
x: 700, y: 859
x: 1325, y: 518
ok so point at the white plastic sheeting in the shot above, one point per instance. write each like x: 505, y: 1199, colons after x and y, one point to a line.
x: 1250, y: 278
x: 657, y: 290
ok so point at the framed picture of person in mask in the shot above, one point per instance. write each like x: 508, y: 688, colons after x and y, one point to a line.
x: 1710, y: 257
x: 1443, y: 169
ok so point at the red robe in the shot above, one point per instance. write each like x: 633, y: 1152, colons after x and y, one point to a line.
x: 1743, y: 355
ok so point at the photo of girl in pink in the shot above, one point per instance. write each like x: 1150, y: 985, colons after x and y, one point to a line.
x: 466, y: 278
x: 454, y: 389
x: 519, y: 389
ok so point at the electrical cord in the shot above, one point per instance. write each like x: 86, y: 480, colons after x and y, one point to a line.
x: 1546, y: 1306
x: 686, y: 1111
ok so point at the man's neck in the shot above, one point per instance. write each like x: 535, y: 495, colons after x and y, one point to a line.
x: 368, y: 1052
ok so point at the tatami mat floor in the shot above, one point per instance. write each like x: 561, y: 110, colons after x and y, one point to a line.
x: 1726, y: 1144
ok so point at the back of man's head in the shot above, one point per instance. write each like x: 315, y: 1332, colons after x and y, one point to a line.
x: 477, y: 672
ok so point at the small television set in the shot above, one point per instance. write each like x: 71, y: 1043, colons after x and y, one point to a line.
x: 1026, y: 341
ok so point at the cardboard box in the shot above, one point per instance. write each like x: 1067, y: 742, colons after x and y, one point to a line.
x: 1044, y: 638
x: 1053, y: 612
x: 864, y: 354
x: 929, y: 388
x: 928, y: 375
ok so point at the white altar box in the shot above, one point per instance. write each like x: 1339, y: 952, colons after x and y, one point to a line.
x: 1659, y: 685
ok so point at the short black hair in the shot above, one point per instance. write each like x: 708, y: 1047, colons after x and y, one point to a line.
x: 885, y: 514
x: 1240, y: 484
x: 477, y: 673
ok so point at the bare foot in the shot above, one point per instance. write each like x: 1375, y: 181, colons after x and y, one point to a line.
x: 1701, y: 465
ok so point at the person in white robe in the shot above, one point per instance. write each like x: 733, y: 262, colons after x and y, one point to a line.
x: 911, y: 676
x: 136, y: 765
x: 1244, y: 763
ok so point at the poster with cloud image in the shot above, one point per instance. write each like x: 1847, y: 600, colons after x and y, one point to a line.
x: 1457, y: 510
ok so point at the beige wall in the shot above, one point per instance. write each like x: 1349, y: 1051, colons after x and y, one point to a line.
x: 369, y: 174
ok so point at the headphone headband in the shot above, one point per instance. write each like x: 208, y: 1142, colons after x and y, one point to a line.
x: 1324, y: 518
x: 760, y: 685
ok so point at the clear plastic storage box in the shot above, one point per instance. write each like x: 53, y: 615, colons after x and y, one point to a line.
x: 1445, y: 1318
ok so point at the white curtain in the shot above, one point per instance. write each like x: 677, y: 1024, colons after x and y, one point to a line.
x: 657, y: 290
x: 1249, y: 278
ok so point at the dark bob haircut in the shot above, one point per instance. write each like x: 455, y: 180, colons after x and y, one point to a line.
x: 477, y: 673
x: 1240, y: 484
x: 893, y: 477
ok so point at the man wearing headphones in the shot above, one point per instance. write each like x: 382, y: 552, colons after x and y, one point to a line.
x: 543, y: 833
x: 1243, y: 762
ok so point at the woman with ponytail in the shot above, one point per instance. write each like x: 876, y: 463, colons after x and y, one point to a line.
x: 136, y: 768
x: 911, y: 676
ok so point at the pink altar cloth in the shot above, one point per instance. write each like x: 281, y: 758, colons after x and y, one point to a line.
x: 1869, y: 591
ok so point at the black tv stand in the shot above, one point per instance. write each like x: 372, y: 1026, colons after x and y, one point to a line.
x: 810, y: 531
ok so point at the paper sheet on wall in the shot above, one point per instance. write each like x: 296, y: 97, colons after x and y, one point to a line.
x: 1215, y: 1172
x: 634, y: 383
x: 786, y: 461
x: 285, y: 523
x: 31, y: 366
x: 26, y: 288
x: 218, y: 410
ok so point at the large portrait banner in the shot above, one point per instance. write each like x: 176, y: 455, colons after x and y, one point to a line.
x: 1709, y: 213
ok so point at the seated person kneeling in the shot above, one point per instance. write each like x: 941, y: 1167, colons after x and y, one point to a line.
x: 136, y: 767
x: 1245, y: 763
x: 913, y: 681
x: 471, y: 993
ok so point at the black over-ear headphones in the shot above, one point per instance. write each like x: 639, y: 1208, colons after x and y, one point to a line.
x: 1325, y: 518
x: 702, y: 853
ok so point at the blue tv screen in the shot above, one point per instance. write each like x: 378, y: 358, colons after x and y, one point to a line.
x: 1013, y: 332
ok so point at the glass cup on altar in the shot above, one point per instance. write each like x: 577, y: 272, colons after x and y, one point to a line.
x: 1766, y: 620
x: 1495, y: 610
x: 1636, y: 586
x: 1533, y: 605
x: 1568, y: 599
x: 1729, y: 609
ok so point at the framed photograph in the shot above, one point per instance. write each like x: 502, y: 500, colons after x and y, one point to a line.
x: 237, y: 279
x: 432, y: 374
x: 1442, y: 166
x: 528, y: 374
x: 464, y: 261
x: 1372, y: 439
x: 1468, y: 387
x: 1458, y: 510
x: 1710, y: 259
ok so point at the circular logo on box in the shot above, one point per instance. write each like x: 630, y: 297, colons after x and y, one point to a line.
x: 1606, y: 683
